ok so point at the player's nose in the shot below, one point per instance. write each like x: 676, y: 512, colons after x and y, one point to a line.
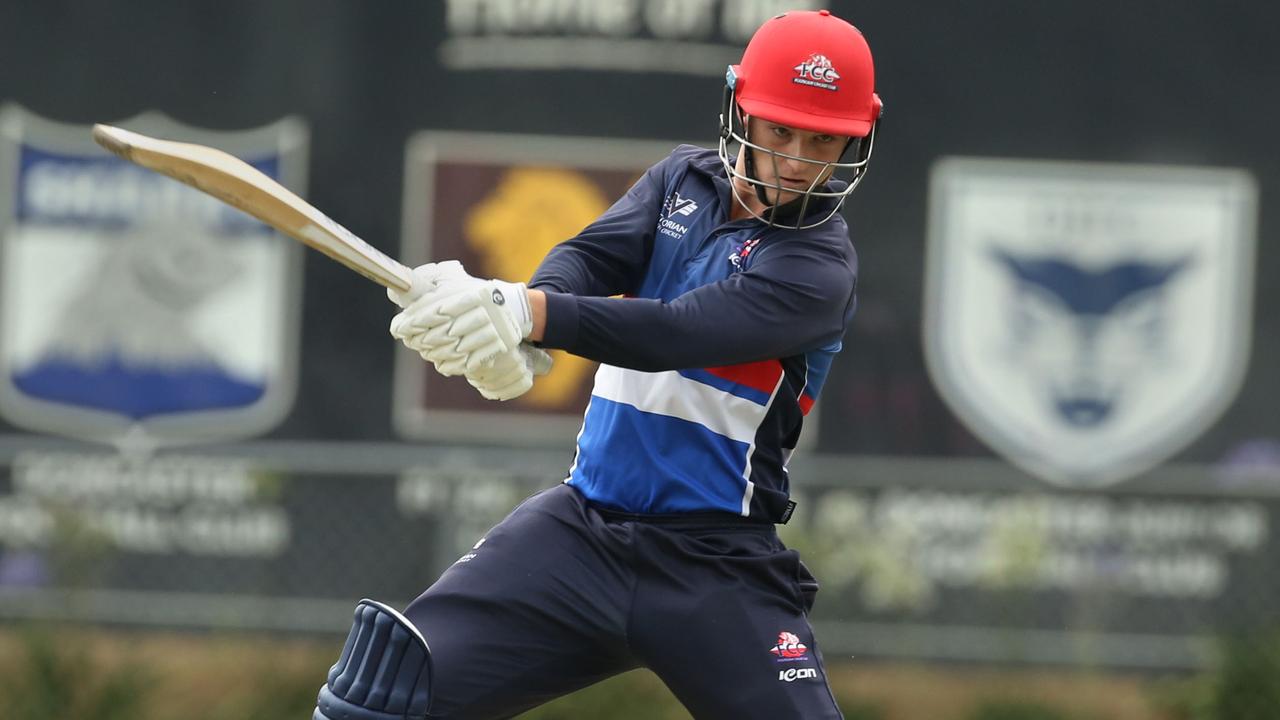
x: 789, y: 167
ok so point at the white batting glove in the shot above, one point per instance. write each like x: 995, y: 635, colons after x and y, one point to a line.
x: 427, y: 278
x: 510, y: 374
x: 538, y: 360
x: 476, y: 320
x: 421, y: 329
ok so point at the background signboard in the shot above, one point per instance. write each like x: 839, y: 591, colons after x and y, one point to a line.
x: 940, y: 562
x: 462, y: 128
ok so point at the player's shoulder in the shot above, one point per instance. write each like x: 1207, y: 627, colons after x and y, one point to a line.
x: 833, y: 233
x: 677, y: 164
x: 828, y: 240
x: 700, y: 158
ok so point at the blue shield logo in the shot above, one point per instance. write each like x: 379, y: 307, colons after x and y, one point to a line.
x: 136, y: 310
x: 1085, y: 320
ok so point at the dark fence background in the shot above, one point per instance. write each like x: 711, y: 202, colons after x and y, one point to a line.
x: 1148, y: 82
x: 931, y: 547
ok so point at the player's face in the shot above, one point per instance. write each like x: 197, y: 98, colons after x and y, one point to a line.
x: 772, y: 169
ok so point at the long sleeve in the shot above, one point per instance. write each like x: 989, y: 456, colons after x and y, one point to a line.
x: 798, y: 296
x: 609, y: 256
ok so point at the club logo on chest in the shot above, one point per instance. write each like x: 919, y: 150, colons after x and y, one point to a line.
x: 675, y: 205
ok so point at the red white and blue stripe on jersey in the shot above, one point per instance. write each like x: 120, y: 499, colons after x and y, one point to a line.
x: 710, y: 364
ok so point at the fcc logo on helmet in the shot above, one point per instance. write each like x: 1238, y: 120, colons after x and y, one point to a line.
x: 1088, y: 321
x: 817, y: 71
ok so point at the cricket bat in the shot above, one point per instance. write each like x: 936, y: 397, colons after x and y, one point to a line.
x: 242, y: 186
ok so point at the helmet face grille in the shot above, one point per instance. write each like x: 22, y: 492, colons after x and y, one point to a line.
x: 733, y: 131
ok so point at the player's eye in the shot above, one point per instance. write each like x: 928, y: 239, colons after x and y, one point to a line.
x: 823, y: 139
x: 780, y: 131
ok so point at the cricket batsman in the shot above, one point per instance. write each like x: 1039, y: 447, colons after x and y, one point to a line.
x: 737, y: 281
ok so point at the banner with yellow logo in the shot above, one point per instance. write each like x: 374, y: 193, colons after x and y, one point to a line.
x: 499, y: 203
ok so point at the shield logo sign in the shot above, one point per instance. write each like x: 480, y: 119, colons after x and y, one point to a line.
x: 1088, y: 320
x: 498, y: 203
x: 135, y: 310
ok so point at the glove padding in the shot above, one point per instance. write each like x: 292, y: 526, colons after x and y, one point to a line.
x: 426, y: 282
x: 472, y: 327
x: 462, y: 323
x: 510, y: 374
x: 427, y: 278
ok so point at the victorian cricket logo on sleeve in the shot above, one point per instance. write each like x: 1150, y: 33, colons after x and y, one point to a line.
x: 136, y: 307
x: 676, y: 205
x: 674, y: 209
x: 1088, y: 320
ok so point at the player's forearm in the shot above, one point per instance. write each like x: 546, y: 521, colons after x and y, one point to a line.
x: 799, y: 297
x: 538, y: 307
x: 653, y: 336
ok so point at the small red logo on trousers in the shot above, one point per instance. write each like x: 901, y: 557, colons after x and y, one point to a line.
x: 789, y: 646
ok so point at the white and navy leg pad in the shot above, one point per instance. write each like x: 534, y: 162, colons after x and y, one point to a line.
x: 384, y: 672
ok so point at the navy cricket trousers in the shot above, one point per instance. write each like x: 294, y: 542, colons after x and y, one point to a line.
x: 562, y: 594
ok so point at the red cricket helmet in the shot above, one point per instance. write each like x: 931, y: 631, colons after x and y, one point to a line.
x: 809, y: 70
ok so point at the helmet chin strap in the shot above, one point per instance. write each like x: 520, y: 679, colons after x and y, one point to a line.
x: 729, y: 112
x: 749, y: 163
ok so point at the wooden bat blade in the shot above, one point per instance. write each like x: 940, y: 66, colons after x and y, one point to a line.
x: 111, y: 138
x: 242, y: 186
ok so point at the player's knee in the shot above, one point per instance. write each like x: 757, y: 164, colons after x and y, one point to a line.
x: 384, y: 672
